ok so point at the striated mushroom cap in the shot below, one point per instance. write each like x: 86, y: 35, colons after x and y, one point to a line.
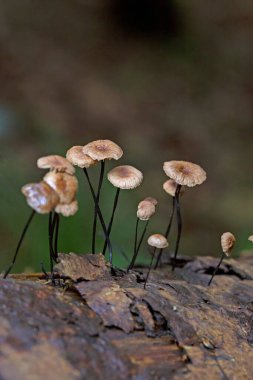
x: 55, y: 163
x: 158, y: 241
x: 227, y: 242
x: 125, y: 177
x: 170, y: 186
x: 184, y: 173
x: 76, y: 157
x: 65, y: 185
x: 152, y: 200
x: 145, y: 210
x: 67, y: 209
x: 103, y: 150
x: 40, y: 197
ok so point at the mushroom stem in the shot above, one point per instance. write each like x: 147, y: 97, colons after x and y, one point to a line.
x: 95, y: 212
x: 167, y: 232
x: 99, y: 214
x: 150, y: 266
x: 137, y: 248
x: 216, y: 269
x: 179, y: 223
x: 19, y: 243
x: 135, y: 245
x: 50, y: 239
x: 56, y: 235
x: 112, y: 218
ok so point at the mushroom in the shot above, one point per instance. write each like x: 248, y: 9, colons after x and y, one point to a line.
x: 170, y: 187
x: 55, y: 163
x: 123, y: 177
x: 156, y: 241
x: 146, y: 209
x: 42, y: 199
x: 227, y: 244
x: 101, y: 150
x: 184, y: 174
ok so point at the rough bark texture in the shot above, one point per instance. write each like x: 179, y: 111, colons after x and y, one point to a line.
x: 106, y: 326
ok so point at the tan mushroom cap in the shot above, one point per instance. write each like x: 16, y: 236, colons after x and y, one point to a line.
x: 227, y: 242
x: 145, y: 210
x: 67, y: 209
x: 103, y: 150
x: 158, y: 241
x: 65, y: 185
x: 40, y: 197
x: 125, y: 177
x: 170, y: 186
x: 184, y: 173
x: 76, y: 157
x: 55, y: 163
x: 250, y: 238
x: 152, y: 200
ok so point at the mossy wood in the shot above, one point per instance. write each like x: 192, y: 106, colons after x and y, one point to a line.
x: 108, y: 327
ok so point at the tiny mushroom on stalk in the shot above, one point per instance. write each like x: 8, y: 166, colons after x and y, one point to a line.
x: 43, y: 200
x: 146, y: 209
x: 123, y: 177
x: 227, y: 244
x: 184, y: 174
x: 100, y: 150
x: 170, y: 187
x: 157, y: 241
x: 76, y: 157
x: 56, y: 163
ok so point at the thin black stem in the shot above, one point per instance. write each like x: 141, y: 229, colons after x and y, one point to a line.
x: 50, y: 240
x: 138, y: 246
x: 216, y: 270
x: 135, y: 245
x: 150, y: 266
x: 167, y: 232
x: 112, y: 218
x: 95, y: 212
x: 99, y: 214
x: 19, y: 244
x: 179, y: 223
x: 56, y: 235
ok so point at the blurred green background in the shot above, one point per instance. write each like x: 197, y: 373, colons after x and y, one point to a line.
x: 164, y: 79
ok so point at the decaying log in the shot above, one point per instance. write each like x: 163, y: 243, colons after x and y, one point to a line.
x: 100, y: 325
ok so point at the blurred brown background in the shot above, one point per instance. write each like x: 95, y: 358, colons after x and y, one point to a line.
x: 164, y: 79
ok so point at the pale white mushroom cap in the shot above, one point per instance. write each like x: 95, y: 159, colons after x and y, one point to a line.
x: 170, y: 186
x: 184, y: 173
x: 103, y: 150
x: 158, y: 241
x: 64, y: 185
x: 55, y: 163
x: 125, y: 177
x: 67, y: 209
x: 145, y: 210
x: 227, y: 242
x: 152, y: 200
x: 76, y: 157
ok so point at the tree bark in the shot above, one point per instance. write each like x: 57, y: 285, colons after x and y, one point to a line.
x: 95, y: 325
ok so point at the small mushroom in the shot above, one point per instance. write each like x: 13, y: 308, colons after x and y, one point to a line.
x: 67, y: 209
x: 146, y: 209
x: 42, y: 199
x: 123, y: 177
x: 55, y: 163
x: 101, y: 150
x: 157, y: 241
x: 227, y: 244
x: 184, y: 174
x: 76, y: 157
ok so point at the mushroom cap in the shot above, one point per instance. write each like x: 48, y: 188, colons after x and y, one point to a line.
x: 103, y: 150
x: 152, y: 200
x: 125, y: 177
x: 158, y: 241
x: 227, y: 242
x: 76, y: 157
x: 40, y: 197
x: 170, y: 186
x: 55, y: 163
x: 64, y: 184
x: 184, y: 173
x: 145, y: 210
x: 67, y: 209
x: 250, y: 238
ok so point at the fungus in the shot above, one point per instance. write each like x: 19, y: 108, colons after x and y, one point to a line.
x: 250, y: 238
x: 42, y: 199
x: 123, y: 177
x: 184, y: 174
x: 146, y: 209
x: 76, y: 157
x: 157, y: 241
x: 101, y: 150
x: 55, y: 163
x: 227, y: 244
x: 170, y: 187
